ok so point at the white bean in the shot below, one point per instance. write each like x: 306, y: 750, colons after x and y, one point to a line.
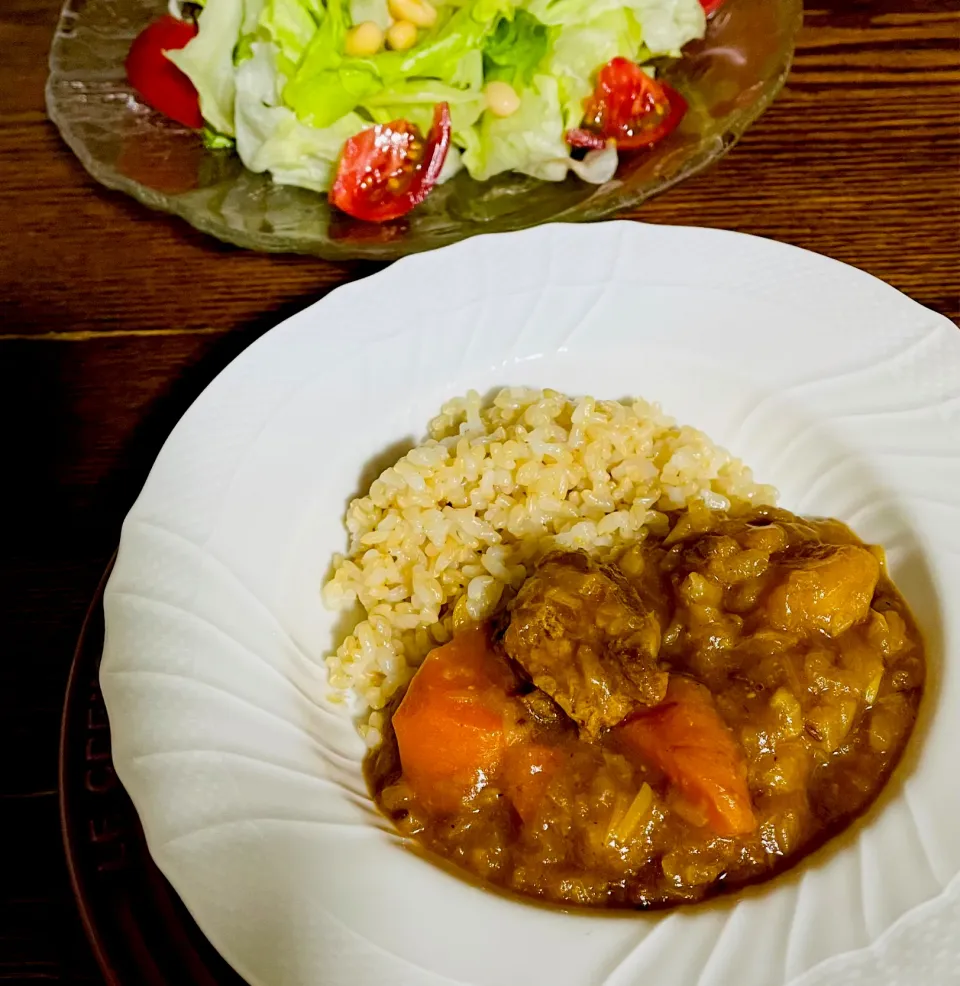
x: 418, y: 12
x: 501, y: 98
x: 364, y: 40
x: 402, y: 35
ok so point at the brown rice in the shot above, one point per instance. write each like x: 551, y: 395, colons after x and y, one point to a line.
x: 447, y: 534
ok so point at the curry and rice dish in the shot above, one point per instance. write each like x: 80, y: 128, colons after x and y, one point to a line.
x: 599, y: 666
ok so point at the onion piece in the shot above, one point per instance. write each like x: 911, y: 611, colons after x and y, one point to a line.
x: 598, y: 167
x: 623, y: 829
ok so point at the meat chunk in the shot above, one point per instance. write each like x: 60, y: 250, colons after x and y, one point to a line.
x: 825, y: 587
x: 542, y: 709
x: 584, y: 636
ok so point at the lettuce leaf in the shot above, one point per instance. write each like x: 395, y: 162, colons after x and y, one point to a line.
x: 290, y: 25
x: 515, y: 49
x: 416, y: 100
x: 207, y: 60
x: 271, y: 138
x: 327, y: 84
x: 579, y: 50
x: 320, y: 100
x: 530, y: 141
x: 323, y: 53
x: 667, y: 24
x: 215, y: 141
x: 440, y: 54
x: 566, y: 13
x: 370, y: 10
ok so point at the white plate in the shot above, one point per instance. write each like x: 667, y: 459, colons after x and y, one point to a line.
x: 833, y: 386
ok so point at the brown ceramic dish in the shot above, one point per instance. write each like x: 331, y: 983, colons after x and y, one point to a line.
x: 140, y: 932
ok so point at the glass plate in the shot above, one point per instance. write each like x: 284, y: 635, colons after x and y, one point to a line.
x: 729, y: 79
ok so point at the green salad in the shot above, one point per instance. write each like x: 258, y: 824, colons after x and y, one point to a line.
x: 425, y: 88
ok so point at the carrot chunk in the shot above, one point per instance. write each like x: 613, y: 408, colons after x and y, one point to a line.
x: 450, y: 725
x: 686, y: 739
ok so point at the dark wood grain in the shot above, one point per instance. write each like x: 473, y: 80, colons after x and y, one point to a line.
x: 114, y: 318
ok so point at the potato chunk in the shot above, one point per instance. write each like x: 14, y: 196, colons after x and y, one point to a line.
x: 827, y: 587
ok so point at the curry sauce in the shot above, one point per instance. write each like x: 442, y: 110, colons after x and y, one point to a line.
x: 696, y: 715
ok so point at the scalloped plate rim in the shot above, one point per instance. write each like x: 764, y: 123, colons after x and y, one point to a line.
x: 282, y: 335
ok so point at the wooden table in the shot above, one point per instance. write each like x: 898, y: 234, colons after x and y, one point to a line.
x: 114, y: 318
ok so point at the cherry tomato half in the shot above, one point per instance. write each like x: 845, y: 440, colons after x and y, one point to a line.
x: 161, y: 84
x: 710, y: 6
x: 388, y: 169
x: 629, y: 107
